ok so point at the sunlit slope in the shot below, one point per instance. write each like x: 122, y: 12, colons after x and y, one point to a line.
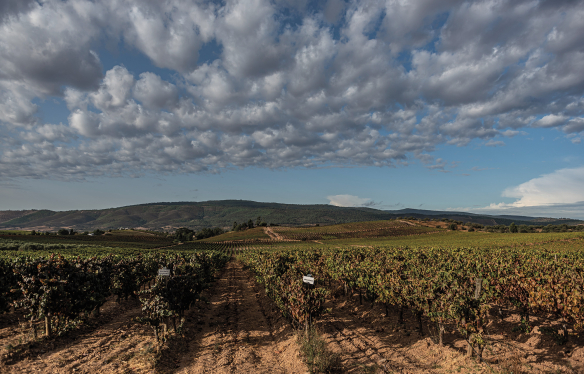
x: 256, y: 233
x: 361, y: 230
x: 371, y: 229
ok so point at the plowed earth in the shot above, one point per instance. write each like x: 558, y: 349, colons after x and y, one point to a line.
x: 239, y: 330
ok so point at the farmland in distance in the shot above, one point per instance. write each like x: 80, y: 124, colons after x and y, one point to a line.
x: 235, y: 324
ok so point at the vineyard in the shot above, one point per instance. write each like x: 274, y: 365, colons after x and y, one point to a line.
x: 388, y: 296
x: 353, y: 230
x: 63, y: 292
x: 119, y: 241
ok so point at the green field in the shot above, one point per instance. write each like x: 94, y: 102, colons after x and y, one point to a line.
x: 384, y: 234
x: 390, y: 234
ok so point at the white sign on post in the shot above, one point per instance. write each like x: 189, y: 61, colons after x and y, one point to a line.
x: 308, y: 279
x: 164, y: 272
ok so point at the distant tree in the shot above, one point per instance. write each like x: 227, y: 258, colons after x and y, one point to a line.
x: 63, y: 232
x: 208, y: 233
x: 98, y: 232
x: 258, y: 221
x: 184, y: 234
x: 33, y: 232
x: 234, y: 226
x: 250, y: 224
x: 453, y: 226
x: 513, y: 228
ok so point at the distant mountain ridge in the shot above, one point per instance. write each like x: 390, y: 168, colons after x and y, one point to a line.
x: 223, y: 213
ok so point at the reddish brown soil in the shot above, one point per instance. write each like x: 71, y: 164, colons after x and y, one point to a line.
x: 109, y: 343
x: 240, y: 332
x: 371, y: 342
x: 237, y: 331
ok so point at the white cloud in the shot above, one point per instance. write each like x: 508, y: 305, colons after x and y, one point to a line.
x: 494, y: 143
x: 347, y: 200
x: 155, y: 93
x: 551, y: 120
x: 563, y: 186
x: 390, y: 82
x: 574, y: 126
x: 558, y: 194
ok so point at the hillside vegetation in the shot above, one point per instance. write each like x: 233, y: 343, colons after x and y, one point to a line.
x: 197, y: 215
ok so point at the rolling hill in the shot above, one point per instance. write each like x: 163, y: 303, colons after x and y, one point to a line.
x: 223, y: 213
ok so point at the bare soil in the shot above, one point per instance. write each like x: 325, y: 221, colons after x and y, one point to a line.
x: 112, y: 342
x: 237, y: 331
x: 371, y: 341
x: 241, y: 332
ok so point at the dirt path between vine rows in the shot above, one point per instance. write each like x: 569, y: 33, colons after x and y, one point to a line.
x: 238, y: 331
x: 272, y: 234
x: 241, y: 332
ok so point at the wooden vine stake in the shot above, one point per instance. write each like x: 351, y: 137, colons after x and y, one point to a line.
x: 32, y: 325
x: 48, y: 325
x: 308, y: 281
x: 477, y: 295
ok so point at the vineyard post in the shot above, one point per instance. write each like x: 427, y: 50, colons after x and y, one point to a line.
x: 308, y: 282
x: 441, y: 333
x: 48, y: 325
x: 165, y: 273
x: 478, y: 287
x: 33, y: 326
x: 477, y: 295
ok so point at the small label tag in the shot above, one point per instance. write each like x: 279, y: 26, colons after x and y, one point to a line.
x: 309, y: 280
x: 164, y: 272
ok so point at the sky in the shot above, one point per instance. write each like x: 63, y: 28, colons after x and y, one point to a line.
x: 471, y: 106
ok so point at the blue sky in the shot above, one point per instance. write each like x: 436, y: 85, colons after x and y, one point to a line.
x: 474, y: 106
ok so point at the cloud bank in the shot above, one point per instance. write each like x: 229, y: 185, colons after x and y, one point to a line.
x: 292, y: 85
x: 560, y: 193
x: 348, y: 200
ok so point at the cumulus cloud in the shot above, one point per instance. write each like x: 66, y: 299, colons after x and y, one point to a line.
x: 495, y: 143
x: 559, y: 193
x: 551, y: 120
x: 560, y: 187
x: 155, y: 93
x: 349, y: 83
x: 348, y: 200
x: 574, y: 126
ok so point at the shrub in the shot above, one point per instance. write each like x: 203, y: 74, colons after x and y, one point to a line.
x: 318, y: 358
